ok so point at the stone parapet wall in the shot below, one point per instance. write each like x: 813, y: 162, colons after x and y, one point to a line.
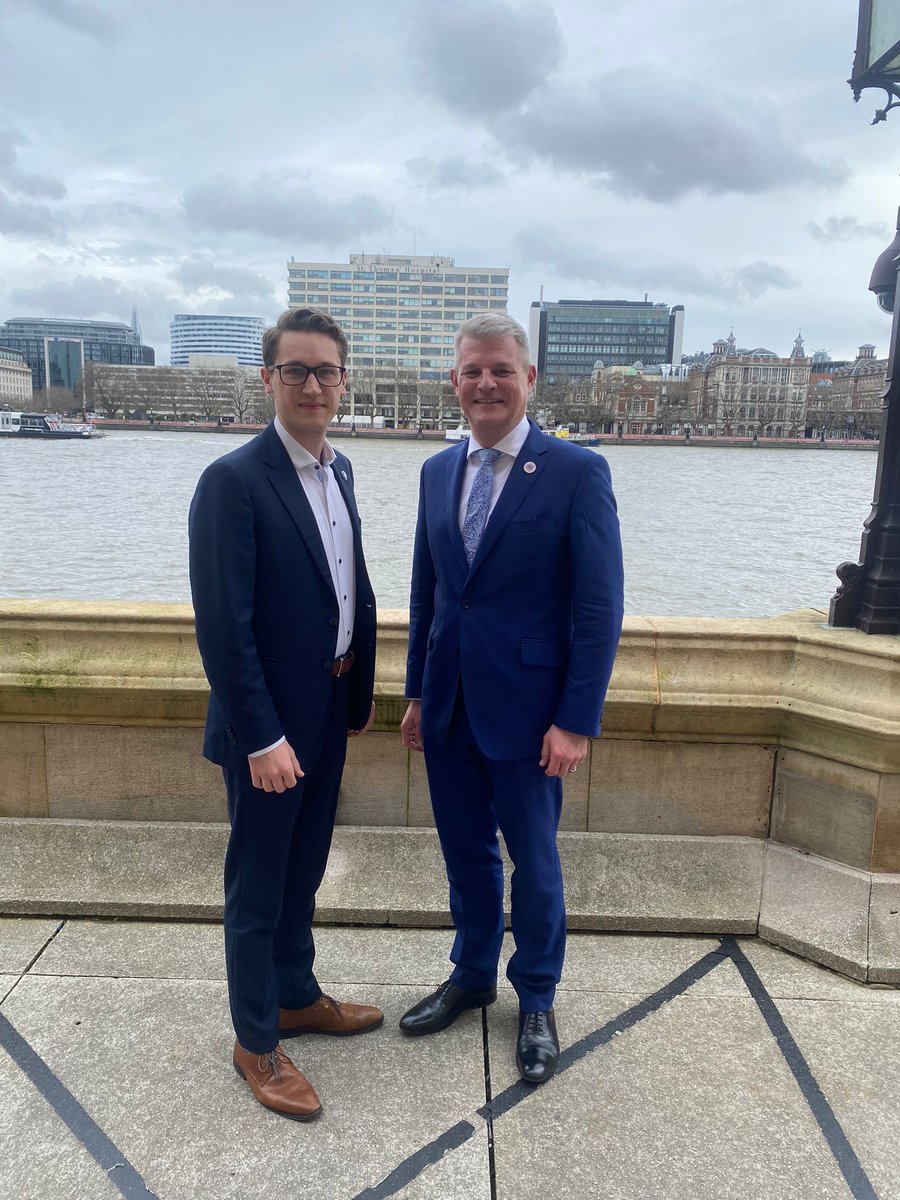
x: 780, y: 732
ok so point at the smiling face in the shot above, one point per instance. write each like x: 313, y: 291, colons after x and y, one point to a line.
x: 493, y: 382
x: 305, y: 410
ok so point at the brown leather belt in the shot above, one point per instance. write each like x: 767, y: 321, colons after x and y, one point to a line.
x: 342, y: 665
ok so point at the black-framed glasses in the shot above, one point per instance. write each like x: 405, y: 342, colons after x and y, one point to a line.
x: 295, y: 374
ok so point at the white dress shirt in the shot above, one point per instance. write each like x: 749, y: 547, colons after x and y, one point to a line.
x: 333, y: 521
x: 509, y: 447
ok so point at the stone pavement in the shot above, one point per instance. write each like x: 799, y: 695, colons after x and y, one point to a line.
x: 696, y: 1068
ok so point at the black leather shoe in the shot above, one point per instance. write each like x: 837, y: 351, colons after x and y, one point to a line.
x: 442, y: 1007
x: 537, y: 1049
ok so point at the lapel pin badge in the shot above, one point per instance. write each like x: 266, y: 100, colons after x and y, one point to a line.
x: 343, y: 474
x: 529, y: 468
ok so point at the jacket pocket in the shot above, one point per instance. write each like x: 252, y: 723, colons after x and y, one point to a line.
x: 540, y: 652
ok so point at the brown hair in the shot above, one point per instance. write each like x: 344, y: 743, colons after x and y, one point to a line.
x: 303, y: 320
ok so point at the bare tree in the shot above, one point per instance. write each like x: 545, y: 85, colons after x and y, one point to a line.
x: 435, y: 401
x: 53, y: 400
x: 673, y: 405
x: 407, y: 406
x: 241, y: 397
x: 209, y: 394
x: 554, y: 396
x: 362, y: 385
x: 767, y: 406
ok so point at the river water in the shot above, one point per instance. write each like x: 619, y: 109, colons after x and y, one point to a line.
x: 706, y: 532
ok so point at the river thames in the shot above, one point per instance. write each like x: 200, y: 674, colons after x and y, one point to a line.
x: 706, y: 532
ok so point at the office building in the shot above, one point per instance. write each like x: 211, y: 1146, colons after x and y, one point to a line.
x: 398, y: 312
x: 56, y: 350
x: 750, y: 393
x: 210, y: 333
x: 15, y: 380
x: 569, y: 336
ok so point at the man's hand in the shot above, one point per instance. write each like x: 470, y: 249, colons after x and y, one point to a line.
x: 367, y: 726
x: 562, y: 751
x: 276, y: 771
x: 411, y: 726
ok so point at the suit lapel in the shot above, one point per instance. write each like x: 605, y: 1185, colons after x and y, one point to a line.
x: 290, y: 491
x: 518, y: 485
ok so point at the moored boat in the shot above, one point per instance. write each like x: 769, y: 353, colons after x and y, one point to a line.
x: 42, y: 425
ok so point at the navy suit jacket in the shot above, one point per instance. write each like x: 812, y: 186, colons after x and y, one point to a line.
x: 265, y: 609
x: 531, y: 628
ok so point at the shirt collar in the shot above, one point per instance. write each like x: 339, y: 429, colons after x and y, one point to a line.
x: 511, y: 444
x: 299, y: 455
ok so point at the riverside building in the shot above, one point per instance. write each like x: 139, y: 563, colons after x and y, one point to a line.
x: 56, y: 350
x: 750, y: 392
x: 211, y: 333
x: 399, y: 311
x: 15, y: 380
x: 568, y: 336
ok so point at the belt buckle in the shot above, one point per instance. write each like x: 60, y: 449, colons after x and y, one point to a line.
x: 345, y: 660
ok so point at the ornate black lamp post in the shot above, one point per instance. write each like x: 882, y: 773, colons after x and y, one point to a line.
x: 869, y: 595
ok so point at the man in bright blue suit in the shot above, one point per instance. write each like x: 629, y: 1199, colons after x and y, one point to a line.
x: 515, y: 615
x: 285, y: 621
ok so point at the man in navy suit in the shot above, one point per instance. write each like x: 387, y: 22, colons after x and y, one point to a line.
x: 515, y: 615
x: 285, y: 620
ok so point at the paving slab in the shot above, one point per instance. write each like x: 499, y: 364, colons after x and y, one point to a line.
x: 159, y: 950
x: 135, y: 950
x: 21, y: 938
x: 7, y: 983
x: 39, y: 1158
x: 150, y: 1061
x: 786, y: 975
x: 634, y: 963
x: 693, y: 1103
x: 853, y: 1051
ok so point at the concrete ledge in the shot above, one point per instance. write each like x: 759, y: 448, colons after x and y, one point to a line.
x: 787, y: 681
x: 817, y: 908
x: 376, y: 876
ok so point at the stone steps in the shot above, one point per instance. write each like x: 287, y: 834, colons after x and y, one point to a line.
x: 376, y: 875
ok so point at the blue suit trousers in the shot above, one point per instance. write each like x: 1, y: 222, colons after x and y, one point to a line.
x: 276, y: 858
x: 472, y: 795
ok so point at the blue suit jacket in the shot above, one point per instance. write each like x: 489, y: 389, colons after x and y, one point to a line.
x: 531, y: 628
x: 265, y: 610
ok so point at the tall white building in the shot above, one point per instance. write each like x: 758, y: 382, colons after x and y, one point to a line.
x: 210, y: 333
x: 396, y: 310
x: 15, y: 380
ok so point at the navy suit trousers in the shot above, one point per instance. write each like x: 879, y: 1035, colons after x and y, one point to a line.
x: 471, y: 796
x: 276, y: 858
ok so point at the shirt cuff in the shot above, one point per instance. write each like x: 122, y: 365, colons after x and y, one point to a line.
x: 257, y: 753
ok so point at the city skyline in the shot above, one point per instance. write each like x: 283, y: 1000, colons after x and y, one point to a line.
x: 710, y: 156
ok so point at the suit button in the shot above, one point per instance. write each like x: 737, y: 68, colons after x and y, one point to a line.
x: 467, y: 603
x: 332, y: 620
x: 327, y: 663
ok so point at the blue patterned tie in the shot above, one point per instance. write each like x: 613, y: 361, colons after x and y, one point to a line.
x: 479, y: 502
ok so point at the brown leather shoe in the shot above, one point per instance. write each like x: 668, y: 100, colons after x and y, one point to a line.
x: 329, y: 1016
x: 277, y: 1084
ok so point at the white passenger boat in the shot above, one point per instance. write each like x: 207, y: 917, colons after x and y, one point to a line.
x: 42, y: 425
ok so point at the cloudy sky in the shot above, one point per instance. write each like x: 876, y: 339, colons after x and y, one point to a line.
x: 174, y: 155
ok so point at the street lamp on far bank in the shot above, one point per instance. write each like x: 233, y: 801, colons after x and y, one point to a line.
x: 869, y: 595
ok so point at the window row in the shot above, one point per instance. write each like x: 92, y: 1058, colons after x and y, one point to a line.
x: 414, y: 277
